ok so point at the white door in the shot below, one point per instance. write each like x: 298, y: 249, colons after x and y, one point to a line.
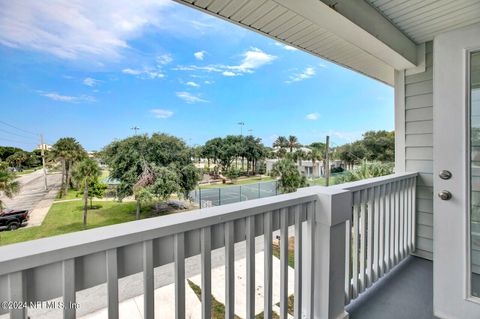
x: 456, y: 108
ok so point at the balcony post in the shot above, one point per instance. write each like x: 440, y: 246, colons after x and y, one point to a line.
x: 333, y: 208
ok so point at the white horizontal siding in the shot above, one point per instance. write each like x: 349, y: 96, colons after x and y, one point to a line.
x: 419, y: 149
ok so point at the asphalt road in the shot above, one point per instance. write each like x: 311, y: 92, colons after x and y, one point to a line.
x: 32, y: 190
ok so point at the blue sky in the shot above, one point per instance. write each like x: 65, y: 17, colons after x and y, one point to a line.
x: 93, y: 71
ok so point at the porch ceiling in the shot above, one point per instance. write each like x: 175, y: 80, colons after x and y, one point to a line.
x: 421, y: 20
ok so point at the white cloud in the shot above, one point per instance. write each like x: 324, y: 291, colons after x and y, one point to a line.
x: 67, y: 98
x: 90, y: 82
x: 161, y: 113
x: 229, y: 73
x: 193, y: 84
x: 305, y: 74
x: 189, y: 98
x: 208, y: 82
x: 146, y: 73
x: 72, y: 29
x: 200, y: 55
x: 312, y: 116
x: 253, y: 59
x: 164, y: 59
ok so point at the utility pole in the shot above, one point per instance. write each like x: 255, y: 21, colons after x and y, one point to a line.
x: 327, y: 161
x: 42, y: 150
x: 135, y: 129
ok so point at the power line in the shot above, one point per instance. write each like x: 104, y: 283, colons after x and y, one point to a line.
x: 12, y: 133
x: 18, y: 142
x: 20, y: 129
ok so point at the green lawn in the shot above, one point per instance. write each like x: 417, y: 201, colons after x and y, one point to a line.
x: 72, y: 194
x: 249, y: 180
x: 68, y: 217
x: 321, y: 181
x: 27, y: 171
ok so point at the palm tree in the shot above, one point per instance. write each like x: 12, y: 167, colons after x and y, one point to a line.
x: 281, y: 143
x: 292, y: 143
x: 84, y: 172
x: 8, y: 185
x: 67, y: 150
x: 315, y: 155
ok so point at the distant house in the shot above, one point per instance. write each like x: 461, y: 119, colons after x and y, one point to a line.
x: 45, y: 147
x: 307, y: 167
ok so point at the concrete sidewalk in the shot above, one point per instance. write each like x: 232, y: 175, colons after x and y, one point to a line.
x: 40, y: 211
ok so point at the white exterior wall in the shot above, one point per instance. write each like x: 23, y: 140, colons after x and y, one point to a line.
x: 414, y: 145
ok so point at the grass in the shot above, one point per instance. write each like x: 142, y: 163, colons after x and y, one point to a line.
x: 218, y: 308
x: 243, y: 181
x: 67, y: 217
x: 72, y: 194
x: 27, y: 171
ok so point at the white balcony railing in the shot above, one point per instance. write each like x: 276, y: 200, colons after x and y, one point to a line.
x: 337, y: 252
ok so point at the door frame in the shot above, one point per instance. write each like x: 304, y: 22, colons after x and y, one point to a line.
x: 451, y: 97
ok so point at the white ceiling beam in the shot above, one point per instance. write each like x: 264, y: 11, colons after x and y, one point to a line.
x: 359, y: 23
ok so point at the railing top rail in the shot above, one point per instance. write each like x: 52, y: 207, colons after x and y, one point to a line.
x: 52, y: 249
x: 376, y: 181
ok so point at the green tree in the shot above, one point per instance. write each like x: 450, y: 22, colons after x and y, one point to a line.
x: 67, y: 150
x: 128, y: 158
x: 8, y: 185
x: 188, y: 177
x: 367, y: 170
x: 281, y: 144
x: 6, y: 151
x: 292, y: 143
x: 18, y: 159
x: 289, y: 178
x: 84, y: 172
x: 96, y: 189
x: 379, y: 145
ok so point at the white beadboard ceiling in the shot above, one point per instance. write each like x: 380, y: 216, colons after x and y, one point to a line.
x: 418, y: 20
x: 421, y: 20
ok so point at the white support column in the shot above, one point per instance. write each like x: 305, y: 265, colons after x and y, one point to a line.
x: 400, y: 121
x: 333, y: 209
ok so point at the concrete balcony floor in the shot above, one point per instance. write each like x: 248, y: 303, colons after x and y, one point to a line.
x: 405, y: 293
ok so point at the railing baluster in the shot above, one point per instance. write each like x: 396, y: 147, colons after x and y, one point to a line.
x: 414, y: 212
x: 205, y: 246
x: 381, y: 222
x: 348, y: 252
x: 17, y: 292
x: 297, y: 308
x: 229, y: 271
x: 112, y: 283
x: 69, y: 288
x: 402, y: 220
x: 179, y: 259
x: 284, y: 263
x: 369, y: 235
x: 355, y: 224
x: 392, y: 225
x: 148, y: 281
x: 376, y: 232
x: 363, y: 238
x: 250, y: 247
x: 406, y: 218
x: 400, y: 223
x: 388, y: 227
x: 267, y: 235
x: 397, y: 222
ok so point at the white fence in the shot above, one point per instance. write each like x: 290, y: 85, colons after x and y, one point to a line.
x: 60, y: 266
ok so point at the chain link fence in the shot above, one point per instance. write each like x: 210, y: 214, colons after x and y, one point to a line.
x: 209, y: 197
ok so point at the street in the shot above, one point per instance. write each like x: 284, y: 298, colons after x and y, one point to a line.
x: 32, y: 190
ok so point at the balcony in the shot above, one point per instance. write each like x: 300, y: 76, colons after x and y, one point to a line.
x: 348, y: 239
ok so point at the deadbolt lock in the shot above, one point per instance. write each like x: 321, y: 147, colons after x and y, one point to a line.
x: 445, y: 174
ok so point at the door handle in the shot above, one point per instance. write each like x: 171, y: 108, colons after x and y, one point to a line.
x: 445, y: 195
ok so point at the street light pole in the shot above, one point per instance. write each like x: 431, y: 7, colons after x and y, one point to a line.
x: 42, y: 150
x: 241, y: 127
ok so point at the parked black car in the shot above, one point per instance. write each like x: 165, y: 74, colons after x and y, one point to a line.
x: 12, y: 219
